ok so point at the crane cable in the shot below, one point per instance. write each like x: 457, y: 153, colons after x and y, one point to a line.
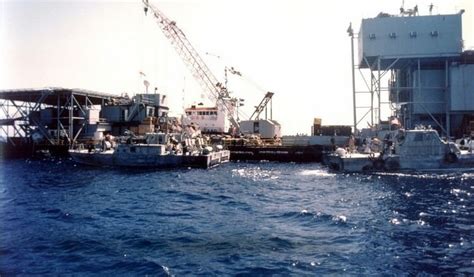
x: 249, y: 80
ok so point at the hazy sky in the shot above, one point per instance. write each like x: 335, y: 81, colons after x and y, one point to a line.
x: 298, y: 49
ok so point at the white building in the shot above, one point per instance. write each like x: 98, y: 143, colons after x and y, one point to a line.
x: 209, y: 119
x: 266, y: 128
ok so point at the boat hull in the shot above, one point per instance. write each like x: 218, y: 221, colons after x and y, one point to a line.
x: 311, y: 153
x: 139, y: 160
x: 390, y: 163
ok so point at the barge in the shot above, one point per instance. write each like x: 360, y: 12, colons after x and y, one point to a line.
x: 299, y: 148
x: 159, y: 150
x: 279, y: 153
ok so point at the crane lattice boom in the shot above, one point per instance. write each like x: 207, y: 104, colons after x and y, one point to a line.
x: 262, y: 105
x: 215, y: 90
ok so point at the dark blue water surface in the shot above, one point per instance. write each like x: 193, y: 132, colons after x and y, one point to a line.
x: 237, y: 219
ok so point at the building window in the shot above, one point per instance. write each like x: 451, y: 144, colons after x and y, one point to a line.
x: 434, y: 33
x: 151, y: 112
x: 392, y: 35
x: 372, y: 36
x: 413, y: 34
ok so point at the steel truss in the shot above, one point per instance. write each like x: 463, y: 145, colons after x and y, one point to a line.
x: 18, y: 120
x: 374, y: 88
x: 215, y: 90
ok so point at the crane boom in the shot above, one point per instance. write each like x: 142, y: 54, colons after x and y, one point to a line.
x: 215, y: 90
x: 262, y: 105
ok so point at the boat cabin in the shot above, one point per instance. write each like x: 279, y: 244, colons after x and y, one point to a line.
x: 420, y: 142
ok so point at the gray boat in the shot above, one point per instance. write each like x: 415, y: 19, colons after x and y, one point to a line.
x: 416, y: 150
x: 154, y: 150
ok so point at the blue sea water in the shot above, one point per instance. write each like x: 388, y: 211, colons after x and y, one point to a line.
x: 237, y: 219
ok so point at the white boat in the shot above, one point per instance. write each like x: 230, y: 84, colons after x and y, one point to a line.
x: 154, y: 150
x: 421, y: 149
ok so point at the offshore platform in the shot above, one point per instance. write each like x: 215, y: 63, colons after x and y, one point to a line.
x: 53, y: 119
x: 415, y: 66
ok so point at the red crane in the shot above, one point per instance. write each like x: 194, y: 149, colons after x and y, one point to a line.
x: 216, y: 91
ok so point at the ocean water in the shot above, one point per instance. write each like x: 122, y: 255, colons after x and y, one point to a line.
x: 237, y: 219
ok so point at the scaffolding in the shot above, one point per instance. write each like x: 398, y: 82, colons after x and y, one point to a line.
x: 388, y: 97
x: 56, y: 115
x: 404, y: 69
x: 372, y: 86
